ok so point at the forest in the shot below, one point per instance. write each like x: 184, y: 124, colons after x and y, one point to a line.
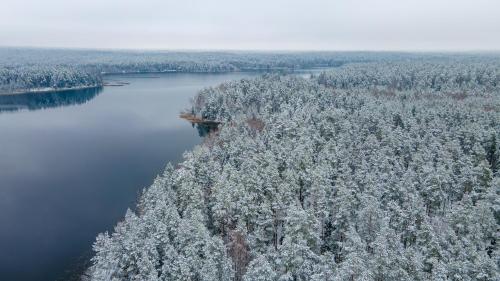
x: 35, y: 69
x: 385, y: 168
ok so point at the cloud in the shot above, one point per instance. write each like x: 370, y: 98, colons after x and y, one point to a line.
x: 257, y: 24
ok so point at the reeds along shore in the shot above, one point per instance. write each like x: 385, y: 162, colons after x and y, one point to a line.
x: 197, y: 120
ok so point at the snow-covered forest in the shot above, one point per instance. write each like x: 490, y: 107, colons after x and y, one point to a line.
x: 33, y: 70
x: 46, y: 78
x: 380, y: 170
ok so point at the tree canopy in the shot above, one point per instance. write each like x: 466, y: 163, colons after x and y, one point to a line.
x: 374, y: 171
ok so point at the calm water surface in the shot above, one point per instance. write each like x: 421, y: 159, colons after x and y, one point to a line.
x: 71, y: 163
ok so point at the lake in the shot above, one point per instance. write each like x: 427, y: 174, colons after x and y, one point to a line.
x: 71, y: 163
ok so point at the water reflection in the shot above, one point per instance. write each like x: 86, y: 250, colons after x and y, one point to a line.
x: 35, y: 101
x: 205, y: 128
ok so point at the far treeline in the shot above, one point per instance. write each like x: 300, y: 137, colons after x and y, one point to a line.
x: 35, y: 70
x: 382, y: 170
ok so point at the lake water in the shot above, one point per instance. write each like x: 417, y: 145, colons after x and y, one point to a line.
x: 71, y: 163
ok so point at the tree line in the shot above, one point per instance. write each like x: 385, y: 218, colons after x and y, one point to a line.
x: 31, y: 69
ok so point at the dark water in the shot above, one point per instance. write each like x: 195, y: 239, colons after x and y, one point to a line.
x: 72, y: 162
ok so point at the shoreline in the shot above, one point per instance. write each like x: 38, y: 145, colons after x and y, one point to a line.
x: 48, y: 90
x: 111, y: 84
x: 197, y: 120
x: 241, y: 70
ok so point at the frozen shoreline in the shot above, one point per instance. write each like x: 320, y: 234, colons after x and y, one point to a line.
x: 47, y: 90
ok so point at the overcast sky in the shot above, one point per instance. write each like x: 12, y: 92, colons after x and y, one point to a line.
x: 253, y: 24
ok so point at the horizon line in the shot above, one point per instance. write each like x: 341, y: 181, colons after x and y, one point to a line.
x: 251, y: 50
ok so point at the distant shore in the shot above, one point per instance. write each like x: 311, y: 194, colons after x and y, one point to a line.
x: 122, y: 83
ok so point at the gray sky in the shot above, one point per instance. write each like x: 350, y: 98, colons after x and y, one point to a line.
x: 253, y: 24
